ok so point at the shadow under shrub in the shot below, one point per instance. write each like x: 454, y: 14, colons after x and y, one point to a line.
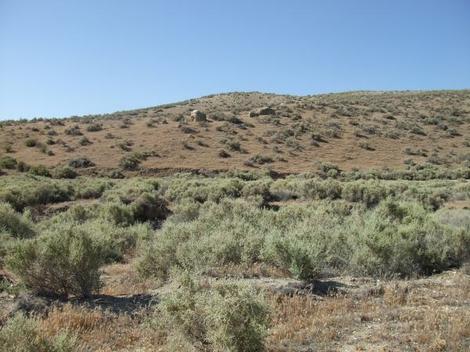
x: 58, y: 263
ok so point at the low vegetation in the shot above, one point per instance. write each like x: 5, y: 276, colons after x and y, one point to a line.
x: 299, y: 224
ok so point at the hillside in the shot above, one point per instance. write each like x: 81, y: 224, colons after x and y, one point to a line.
x: 363, y: 130
x: 328, y: 259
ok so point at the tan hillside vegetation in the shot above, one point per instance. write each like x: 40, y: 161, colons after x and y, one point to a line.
x: 288, y: 134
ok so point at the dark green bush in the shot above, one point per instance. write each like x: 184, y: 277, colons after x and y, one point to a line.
x: 81, y: 163
x: 129, y: 162
x: 260, y: 159
x: 64, y: 172
x: 145, y: 207
x: 84, y: 141
x: 7, y: 162
x: 73, y: 131
x: 94, y: 127
x: 39, y: 170
x: 30, y: 142
x: 149, y: 207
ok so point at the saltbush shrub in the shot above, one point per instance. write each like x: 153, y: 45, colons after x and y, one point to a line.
x: 223, y: 317
x: 73, y: 131
x: 84, y: 141
x: 59, y: 262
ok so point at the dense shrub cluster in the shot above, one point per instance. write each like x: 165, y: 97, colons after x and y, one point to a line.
x: 394, y: 238
x: 73, y: 131
x: 372, y: 227
x: 27, y: 190
x: 202, y: 190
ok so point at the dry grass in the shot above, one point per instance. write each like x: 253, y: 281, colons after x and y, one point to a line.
x: 99, y: 330
x: 122, y: 279
x: 429, y: 314
x: 73, y: 318
x: 426, y: 315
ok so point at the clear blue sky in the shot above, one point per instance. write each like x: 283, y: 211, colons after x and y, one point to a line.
x: 60, y: 58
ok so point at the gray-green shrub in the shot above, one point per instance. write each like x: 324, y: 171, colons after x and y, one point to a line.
x: 60, y: 262
x: 405, y: 239
x: 395, y: 238
x: 14, y: 223
x: 222, y: 317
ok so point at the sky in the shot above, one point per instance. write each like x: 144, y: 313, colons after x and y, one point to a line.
x: 76, y: 57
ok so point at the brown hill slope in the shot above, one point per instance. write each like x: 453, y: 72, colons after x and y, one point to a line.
x: 353, y: 130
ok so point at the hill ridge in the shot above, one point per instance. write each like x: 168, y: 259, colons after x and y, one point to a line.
x: 399, y: 129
